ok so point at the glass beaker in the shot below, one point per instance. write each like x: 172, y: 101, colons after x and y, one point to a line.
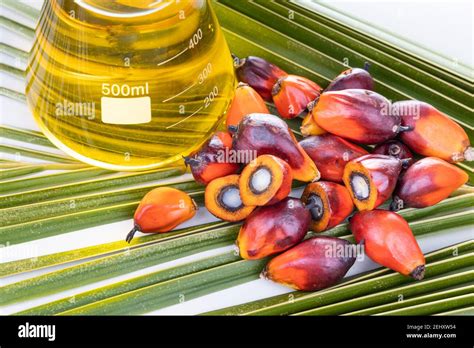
x: 129, y: 84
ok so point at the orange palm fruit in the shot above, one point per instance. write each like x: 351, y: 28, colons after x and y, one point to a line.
x: 161, y: 210
x: 259, y: 74
x: 357, y: 114
x: 331, y: 153
x: 389, y: 241
x: 222, y: 199
x: 427, y: 182
x: 210, y: 161
x: 292, y: 93
x: 314, y: 264
x: 396, y: 149
x: 271, y: 229
x: 352, y: 78
x: 433, y: 133
x: 329, y: 203
x: 371, y: 179
x: 265, y: 134
x: 266, y: 180
x: 310, y: 127
x: 246, y: 101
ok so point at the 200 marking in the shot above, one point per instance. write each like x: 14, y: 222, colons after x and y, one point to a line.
x: 210, y: 98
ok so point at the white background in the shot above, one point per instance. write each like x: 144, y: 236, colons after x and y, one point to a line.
x: 443, y: 27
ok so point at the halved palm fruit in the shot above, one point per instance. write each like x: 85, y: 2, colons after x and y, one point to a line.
x: 371, y: 179
x: 266, y: 180
x: 329, y: 204
x: 222, y: 199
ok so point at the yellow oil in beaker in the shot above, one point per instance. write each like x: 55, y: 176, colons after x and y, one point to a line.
x: 129, y: 85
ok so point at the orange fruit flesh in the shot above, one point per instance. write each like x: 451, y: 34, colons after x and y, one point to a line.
x: 321, y: 213
x: 222, y: 199
x: 265, y: 180
x: 355, y: 177
x: 310, y: 127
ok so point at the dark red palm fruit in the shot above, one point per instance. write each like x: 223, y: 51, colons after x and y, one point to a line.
x: 427, y: 182
x: 246, y: 101
x: 389, y: 241
x: 357, y: 114
x: 210, y: 161
x: 272, y: 229
x: 331, y: 153
x: 265, y: 134
x: 329, y: 203
x: 161, y: 210
x: 314, y: 264
x: 433, y: 132
x: 265, y: 181
x: 371, y: 179
x: 352, y: 78
x: 259, y: 74
x: 396, y: 149
x: 292, y: 93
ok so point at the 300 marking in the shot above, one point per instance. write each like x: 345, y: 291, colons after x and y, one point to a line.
x: 205, y: 73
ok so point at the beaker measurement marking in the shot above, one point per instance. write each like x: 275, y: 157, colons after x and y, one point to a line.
x: 174, y: 57
x: 193, y: 42
x: 212, y: 95
x: 124, y: 90
x: 186, y: 118
x: 203, y: 75
x: 196, y: 38
x: 177, y: 95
